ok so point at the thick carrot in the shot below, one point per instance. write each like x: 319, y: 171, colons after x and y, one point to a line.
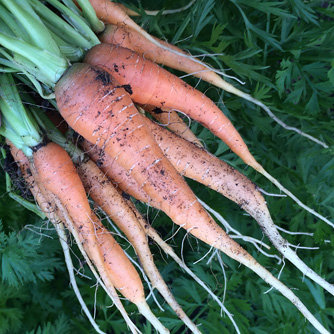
x: 104, y: 194
x: 163, y: 89
x: 196, y: 163
x: 56, y: 172
x: 100, y: 110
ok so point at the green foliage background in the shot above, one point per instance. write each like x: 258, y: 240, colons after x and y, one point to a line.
x: 283, y: 52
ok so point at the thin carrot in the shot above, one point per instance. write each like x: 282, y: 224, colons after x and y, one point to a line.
x: 104, y: 194
x: 56, y: 172
x: 163, y: 89
x: 54, y: 215
x: 101, y: 111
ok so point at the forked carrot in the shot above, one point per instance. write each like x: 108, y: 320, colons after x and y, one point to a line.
x: 163, y: 89
x: 101, y: 111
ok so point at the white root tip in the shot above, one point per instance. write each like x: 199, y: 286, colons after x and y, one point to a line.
x: 145, y: 310
x: 261, y: 170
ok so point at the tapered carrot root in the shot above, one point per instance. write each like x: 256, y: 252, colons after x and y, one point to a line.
x: 163, y: 89
x: 56, y: 172
x: 108, y: 198
x: 115, y: 125
x: 57, y: 214
x: 196, y: 163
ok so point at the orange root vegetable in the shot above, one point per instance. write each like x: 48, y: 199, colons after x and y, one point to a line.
x: 104, y: 194
x: 162, y: 89
x: 164, y: 53
x: 171, y: 119
x: 196, y: 163
x: 56, y: 172
x: 57, y: 216
x: 101, y: 111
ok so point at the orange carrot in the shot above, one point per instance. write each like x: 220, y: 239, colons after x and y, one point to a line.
x: 104, y: 194
x: 163, y: 89
x: 101, y: 111
x: 56, y: 172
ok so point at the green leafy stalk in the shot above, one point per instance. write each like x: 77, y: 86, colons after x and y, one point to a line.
x: 89, y: 13
x: 18, y: 125
x: 39, y: 34
x: 47, y: 67
x: 60, y: 27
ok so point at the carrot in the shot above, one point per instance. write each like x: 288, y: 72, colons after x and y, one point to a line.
x: 54, y: 215
x: 163, y: 89
x: 101, y: 190
x: 101, y: 111
x: 195, y: 163
x: 56, y: 172
x: 164, y: 53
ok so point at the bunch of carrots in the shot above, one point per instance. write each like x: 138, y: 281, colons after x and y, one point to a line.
x: 102, y: 142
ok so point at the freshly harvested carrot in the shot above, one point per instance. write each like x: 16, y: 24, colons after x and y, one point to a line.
x: 56, y: 172
x: 54, y: 215
x: 196, y: 163
x: 164, y: 53
x: 171, y: 119
x: 163, y: 89
x: 104, y: 194
x: 101, y: 111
